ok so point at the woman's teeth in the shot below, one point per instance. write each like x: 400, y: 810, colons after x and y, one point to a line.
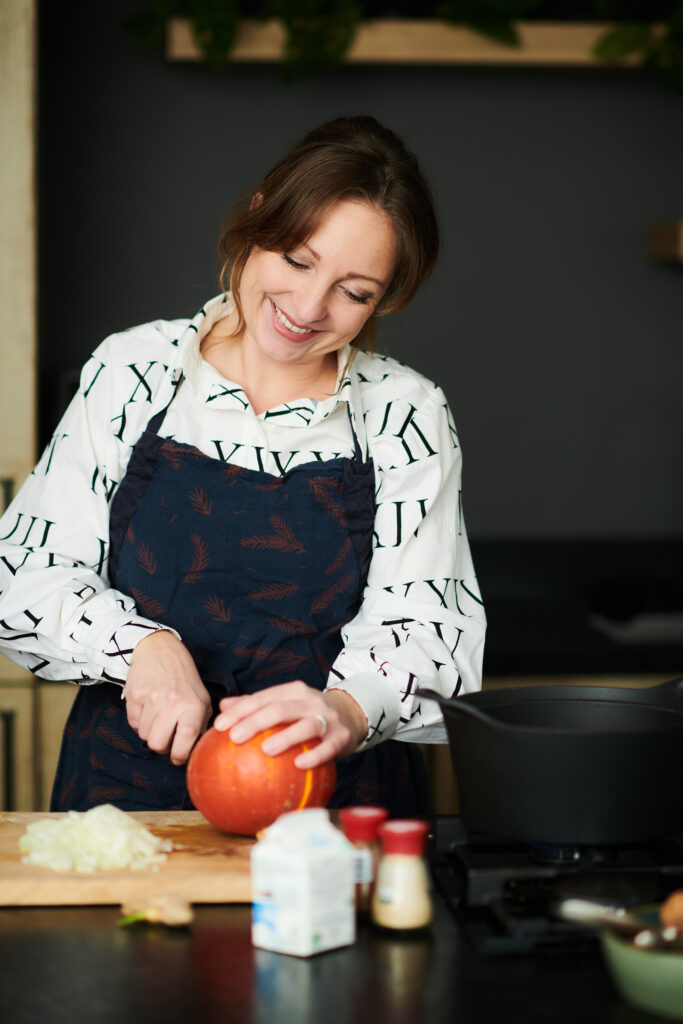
x: 289, y: 325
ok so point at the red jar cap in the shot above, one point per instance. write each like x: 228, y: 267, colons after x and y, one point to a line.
x: 403, y: 835
x: 361, y: 823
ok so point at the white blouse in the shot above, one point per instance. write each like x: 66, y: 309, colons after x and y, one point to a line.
x: 421, y: 622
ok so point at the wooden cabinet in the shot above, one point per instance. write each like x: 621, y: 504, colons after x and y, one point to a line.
x: 17, y: 353
x: 17, y: 245
x: 32, y: 718
x: 17, y: 775
x: 53, y: 703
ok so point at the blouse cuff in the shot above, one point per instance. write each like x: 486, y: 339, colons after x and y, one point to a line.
x: 110, y: 658
x: 377, y: 698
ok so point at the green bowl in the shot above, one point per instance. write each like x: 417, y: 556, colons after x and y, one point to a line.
x: 650, y: 979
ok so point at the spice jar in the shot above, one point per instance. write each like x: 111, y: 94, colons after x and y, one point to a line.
x: 401, y: 899
x: 359, y: 825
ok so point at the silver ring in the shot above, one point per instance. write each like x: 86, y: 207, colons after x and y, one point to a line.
x: 323, y: 723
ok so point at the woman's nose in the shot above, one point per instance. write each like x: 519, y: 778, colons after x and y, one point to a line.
x: 312, y: 302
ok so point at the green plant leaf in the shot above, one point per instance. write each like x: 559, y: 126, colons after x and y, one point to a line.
x: 623, y: 41
x: 319, y: 33
x: 131, y: 918
x: 215, y: 26
x: 507, y: 9
x: 676, y: 22
x: 149, y: 26
x: 605, y: 10
x: 491, y: 18
x: 666, y: 59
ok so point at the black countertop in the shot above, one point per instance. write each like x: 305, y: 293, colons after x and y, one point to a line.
x: 65, y: 965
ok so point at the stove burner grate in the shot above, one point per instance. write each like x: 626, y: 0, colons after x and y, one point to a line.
x: 503, y: 893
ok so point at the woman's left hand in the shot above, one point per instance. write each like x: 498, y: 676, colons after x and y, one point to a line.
x: 332, y: 716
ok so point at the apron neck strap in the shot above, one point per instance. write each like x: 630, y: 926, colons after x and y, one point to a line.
x: 357, y: 420
x: 154, y: 424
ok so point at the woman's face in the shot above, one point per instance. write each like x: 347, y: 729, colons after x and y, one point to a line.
x: 299, y: 306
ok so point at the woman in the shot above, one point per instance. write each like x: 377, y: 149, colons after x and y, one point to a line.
x: 245, y: 518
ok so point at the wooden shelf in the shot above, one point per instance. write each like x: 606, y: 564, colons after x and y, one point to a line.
x: 665, y: 242
x: 412, y: 41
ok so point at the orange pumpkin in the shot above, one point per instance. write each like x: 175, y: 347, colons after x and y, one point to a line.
x: 240, y: 789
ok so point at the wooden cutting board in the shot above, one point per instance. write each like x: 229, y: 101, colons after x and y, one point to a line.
x: 206, y: 866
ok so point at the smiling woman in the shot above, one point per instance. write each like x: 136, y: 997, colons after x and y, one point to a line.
x: 298, y: 309
x: 272, y: 534
x: 352, y: 160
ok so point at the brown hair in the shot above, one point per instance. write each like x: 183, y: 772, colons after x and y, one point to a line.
x: 347, y: 158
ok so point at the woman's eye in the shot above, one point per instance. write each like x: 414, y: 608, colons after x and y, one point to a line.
x: 364, y: 299
x: 293, y: 263
x: 353, y: 296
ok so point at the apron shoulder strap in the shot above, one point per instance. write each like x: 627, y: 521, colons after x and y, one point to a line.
x: 356, y: 419
x: 154, y: 424
x: 357, y: 452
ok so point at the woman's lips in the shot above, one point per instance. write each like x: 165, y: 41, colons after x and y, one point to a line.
x: 287, y: 328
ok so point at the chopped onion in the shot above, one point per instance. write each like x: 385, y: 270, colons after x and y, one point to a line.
x: 101, y: 839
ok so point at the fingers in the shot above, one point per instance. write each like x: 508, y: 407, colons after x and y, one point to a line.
x: 166, y: 701
x: 319, y: 754
x: 172, y: 732
x: 190, y: 726
x: 278, y: 713
x: 319, y: 751
x: 307, y: 730
x: 261, y: 706
x: 148, y: 711
x: 307, y: 713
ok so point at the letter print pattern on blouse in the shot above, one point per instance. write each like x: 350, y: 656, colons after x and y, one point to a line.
x: 404, y: 443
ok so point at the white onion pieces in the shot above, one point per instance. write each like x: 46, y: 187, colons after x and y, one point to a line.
x: 101, y: 839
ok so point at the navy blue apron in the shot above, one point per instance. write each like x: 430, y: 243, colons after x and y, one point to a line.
x: 258, y: 574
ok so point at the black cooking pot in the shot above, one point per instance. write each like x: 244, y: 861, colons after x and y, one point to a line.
x: 569, y: 765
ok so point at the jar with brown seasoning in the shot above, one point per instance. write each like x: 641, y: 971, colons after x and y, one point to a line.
x: 360, y: 825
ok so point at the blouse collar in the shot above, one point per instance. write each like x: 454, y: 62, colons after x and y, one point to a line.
x: 219, y: 393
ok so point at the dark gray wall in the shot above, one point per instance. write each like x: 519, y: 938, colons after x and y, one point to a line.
x: 557, y: 342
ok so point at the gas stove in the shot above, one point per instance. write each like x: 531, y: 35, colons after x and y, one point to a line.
x: 503, y: 893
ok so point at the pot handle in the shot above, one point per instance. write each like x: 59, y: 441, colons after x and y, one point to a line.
x: 671, y: 689
x: 459, y: 706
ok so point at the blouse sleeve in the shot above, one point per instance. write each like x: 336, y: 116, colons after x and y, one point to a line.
x: 421, y: 622
x: 59, y: 618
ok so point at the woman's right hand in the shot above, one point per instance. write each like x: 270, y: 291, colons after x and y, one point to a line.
x: 166, y: 702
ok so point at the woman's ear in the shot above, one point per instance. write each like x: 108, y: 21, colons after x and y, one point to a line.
x: 256, y: 200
